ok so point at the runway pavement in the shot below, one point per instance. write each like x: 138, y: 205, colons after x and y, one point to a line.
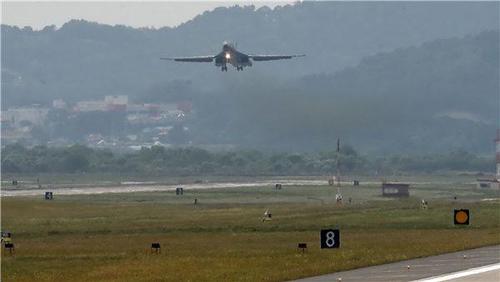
x: 149, y: 187
x: 427, y: 268
x: 480, y: 274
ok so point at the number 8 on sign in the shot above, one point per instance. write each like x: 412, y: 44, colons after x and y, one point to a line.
x: 330, y: 238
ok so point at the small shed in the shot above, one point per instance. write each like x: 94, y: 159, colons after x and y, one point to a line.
x: 488, y: 183
x: 395, y: 190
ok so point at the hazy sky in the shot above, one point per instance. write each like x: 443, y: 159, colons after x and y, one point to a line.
x: 136, y: 14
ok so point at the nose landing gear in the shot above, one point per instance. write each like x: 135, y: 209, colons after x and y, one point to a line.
x: 224, y: 68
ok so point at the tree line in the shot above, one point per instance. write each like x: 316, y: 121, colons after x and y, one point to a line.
x: 158, y: 160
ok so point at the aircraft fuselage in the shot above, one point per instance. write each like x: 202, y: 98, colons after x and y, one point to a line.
x: 230, y: 55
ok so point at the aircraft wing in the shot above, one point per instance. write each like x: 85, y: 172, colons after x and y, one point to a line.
x: 273, y: 57
x: 198, y: 59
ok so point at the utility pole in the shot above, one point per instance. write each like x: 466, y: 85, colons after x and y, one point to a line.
x: 338, y: 163
x: 338, y: 197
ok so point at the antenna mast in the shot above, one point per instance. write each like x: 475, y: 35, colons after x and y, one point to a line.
x: 338, y: 197
x: 338, y: 164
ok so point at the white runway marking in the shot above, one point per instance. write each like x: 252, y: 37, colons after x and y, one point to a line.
x: 468, y: 272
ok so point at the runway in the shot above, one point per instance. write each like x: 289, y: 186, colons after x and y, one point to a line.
x: 484, y: 273
x: 150, y: 187
x: 469, y: 265
x: 131, y: 187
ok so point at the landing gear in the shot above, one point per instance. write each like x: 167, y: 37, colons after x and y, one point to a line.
x: 238, y: 68
x: 224, y: 68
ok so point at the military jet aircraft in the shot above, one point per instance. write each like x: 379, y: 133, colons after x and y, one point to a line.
x: 229, y: 55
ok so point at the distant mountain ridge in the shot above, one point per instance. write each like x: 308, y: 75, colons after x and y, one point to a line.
x: 443, y: 95
x: 85, y: 60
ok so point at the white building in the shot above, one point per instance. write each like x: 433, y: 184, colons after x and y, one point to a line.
x: 33, y: 115
x: 110, y: 103
x: 58, y: 104
x: 90, y: 106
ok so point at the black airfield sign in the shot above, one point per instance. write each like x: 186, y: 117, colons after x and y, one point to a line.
x: 330, y: 238
x: 461, y: 217
x: 302, y: 246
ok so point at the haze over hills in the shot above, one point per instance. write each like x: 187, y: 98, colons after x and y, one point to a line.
x: 442, y: 95
x: 385, y: 76
x: 86, y: 60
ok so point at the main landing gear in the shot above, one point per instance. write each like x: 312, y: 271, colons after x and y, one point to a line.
x: 238, y: 68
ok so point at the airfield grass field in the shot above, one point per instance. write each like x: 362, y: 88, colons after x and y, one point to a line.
x: 107, y: 237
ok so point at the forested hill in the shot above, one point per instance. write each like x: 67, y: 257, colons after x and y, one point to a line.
x: 439, y: 96
x: 84, y: 60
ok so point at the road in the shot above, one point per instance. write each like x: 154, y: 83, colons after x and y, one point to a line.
x: 428, y: 268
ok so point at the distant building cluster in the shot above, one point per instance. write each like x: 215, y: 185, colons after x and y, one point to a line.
x: 110, y: 103
x: 111, y: 122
